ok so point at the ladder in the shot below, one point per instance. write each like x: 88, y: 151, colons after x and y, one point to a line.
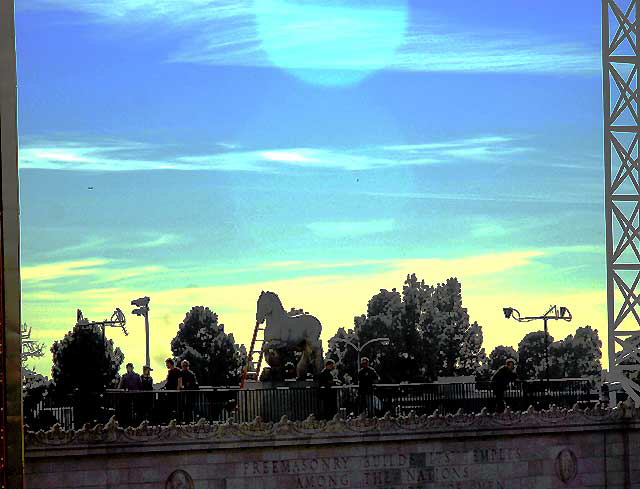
x: 252, y: 369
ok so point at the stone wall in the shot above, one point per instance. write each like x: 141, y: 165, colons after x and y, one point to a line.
x: 532, y: 450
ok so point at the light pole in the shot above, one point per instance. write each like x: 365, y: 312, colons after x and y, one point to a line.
x: 554, y: 312
x: 358, y: 348
x: 142, y: 305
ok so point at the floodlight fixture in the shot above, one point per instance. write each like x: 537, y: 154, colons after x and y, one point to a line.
x: 565, y: 313
x: 142, y: 309
x: 552, y: 313
x: 141, y: 302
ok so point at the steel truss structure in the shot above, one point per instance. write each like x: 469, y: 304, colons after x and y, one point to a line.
x: 621, y: 62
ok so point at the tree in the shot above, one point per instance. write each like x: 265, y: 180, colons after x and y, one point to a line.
x: 35, y: 389
x: 429, y: 331
x: 500, y: 355
x: 30, y: 347
x: 213, y: 355
x: 34, y: 385
x: 345, y: 356
x: 85, y: 361
x: 384, y: 319
x: 577, y: 355
x: 454, y: 344
x: 531, y: 358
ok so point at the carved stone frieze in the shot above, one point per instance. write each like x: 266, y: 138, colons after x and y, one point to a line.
x: 311, y: 427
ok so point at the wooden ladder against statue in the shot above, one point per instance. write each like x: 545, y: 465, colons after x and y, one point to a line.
x: 252, y: 369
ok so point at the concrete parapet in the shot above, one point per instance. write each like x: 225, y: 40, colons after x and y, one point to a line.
x: 531, y: 450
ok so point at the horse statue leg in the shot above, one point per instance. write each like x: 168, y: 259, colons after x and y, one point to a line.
x: 303, y: 364
x: 317, y: 354
x: 311, y: 360
x: 315, y: 350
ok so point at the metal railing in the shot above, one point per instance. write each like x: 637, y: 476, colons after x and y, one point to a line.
x: 219, y: 404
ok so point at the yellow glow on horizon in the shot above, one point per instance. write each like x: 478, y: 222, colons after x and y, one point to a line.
x: 335, y: 300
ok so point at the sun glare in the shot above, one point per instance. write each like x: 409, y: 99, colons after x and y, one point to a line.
x: 336, y: 42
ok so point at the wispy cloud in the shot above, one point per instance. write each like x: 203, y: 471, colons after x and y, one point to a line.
x: 365, y: 45
x: 283, y: 264
x: 486, y: 227
x: 288, y: 157
x: 154, y: 242
x: 356, y: 37
x: 70, y: 155
x: 489, y: 229
x: 493, y: 52
x: 575, y: 197
x: 86, y: 246
x: 87, y: 295
x: 98, y: 246
x: 130, y: 11
x: 52, y: 271
x: 314, y: 265
x: 348, y: 229
x: 115, y: 157
x: 92, y: 271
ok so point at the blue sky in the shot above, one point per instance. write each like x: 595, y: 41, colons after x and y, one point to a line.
x: 319, y: 149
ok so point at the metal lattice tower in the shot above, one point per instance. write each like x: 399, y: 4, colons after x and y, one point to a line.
x: 621, y: 62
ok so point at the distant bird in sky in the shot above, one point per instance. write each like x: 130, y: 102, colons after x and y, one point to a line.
x: 90, y: 188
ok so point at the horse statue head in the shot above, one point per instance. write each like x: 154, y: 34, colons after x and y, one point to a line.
x: 266, y: 303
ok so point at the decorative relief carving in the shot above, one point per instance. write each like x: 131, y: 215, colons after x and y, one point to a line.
x: 179, y: 479
x: 566, y: 465
x: 285, y: 428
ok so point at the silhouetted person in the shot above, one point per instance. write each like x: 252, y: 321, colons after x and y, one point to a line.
x: 131, y: 380
x: 604, y: 394
x: 146, y: 379
x: 173, y: 375
x: 147, y: 397
x: 171, y: 400
x: 129, y: 405
x: 327, y: 395
x: 366, y: 378
x: 187, y: 382
x: 501, y: 380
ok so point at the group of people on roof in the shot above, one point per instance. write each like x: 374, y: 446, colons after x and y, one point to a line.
x: 177, y: 378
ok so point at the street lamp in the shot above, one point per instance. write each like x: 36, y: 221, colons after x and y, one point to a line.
x: 556, y: 313
x: 359, y: 348
x: 142, y: 305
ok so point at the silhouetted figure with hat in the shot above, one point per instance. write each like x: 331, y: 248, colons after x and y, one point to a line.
x: 147, y: 398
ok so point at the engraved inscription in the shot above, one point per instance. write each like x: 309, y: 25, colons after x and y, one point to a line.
x: 322, y: 481
x: 436, y: 469
x: 296, y: 466
x: 491, y: 455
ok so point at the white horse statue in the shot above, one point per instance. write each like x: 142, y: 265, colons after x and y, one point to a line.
x: 294, y: 332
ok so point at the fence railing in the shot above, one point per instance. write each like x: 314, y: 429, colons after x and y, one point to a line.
x: 219, y: 404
